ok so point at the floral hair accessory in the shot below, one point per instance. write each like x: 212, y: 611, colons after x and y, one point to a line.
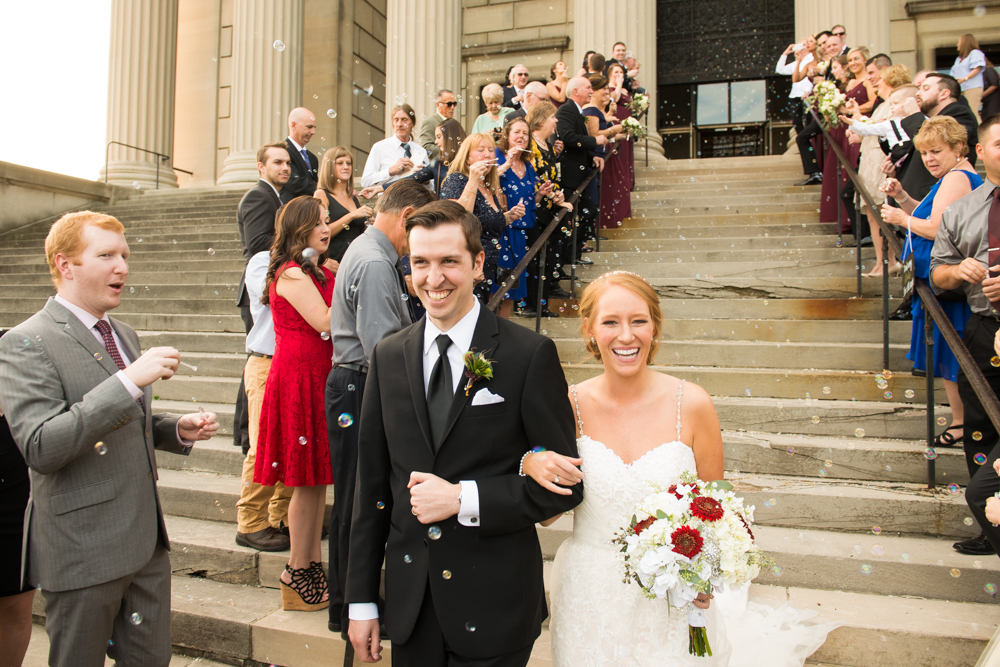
x: 476, y: 366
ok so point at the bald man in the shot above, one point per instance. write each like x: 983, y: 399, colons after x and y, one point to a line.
x: 534, y: 93
x: 301, y: 128
x: 513, y: 95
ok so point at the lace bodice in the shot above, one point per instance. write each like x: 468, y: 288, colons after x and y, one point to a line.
x: 613, y: 487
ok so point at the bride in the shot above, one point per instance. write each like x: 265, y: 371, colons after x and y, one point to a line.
x: 623, y: 418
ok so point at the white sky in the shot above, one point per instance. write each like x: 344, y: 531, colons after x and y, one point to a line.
x: 55, y: 84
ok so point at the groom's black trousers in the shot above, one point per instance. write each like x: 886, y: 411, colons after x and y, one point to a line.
x: 341, y: 399
x: 428, y: 648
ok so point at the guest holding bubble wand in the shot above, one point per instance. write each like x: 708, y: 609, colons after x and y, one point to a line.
x: 293, y: 443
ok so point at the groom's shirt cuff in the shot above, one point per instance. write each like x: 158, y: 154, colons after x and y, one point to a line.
x: 362, y: 611
x: 468, y: 513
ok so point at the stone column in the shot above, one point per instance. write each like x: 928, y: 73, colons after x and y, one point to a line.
x: 141, y: 91
x: 423, y: 54
x: 267, y: 80
x: 597, y: 25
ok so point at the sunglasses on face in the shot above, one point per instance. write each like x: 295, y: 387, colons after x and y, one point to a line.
x: 839, y: 34
x: 449, y: 104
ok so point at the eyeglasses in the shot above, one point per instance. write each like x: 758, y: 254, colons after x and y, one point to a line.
x: 449, y: 104
x: 839, y: 34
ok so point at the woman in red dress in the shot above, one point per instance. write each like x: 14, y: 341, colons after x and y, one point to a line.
x: 850, y: 73
x: 293, y: 447
x: 616, y: 178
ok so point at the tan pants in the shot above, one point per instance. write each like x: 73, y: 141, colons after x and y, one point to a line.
x: 259, y: 506
x: 975, y: 98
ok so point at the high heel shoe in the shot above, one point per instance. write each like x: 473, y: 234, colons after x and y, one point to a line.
x: 896, y: 269
x: 306, y: 590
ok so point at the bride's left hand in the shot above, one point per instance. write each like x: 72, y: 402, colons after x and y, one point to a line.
x: 553, y: 471
x: 703, y: 600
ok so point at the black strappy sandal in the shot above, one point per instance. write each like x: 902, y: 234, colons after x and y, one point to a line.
x: 946, y: 439
x: 306, y: 591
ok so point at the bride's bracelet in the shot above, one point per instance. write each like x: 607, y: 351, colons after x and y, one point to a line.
x: 533, y: 450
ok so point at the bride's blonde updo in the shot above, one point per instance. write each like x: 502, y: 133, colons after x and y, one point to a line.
x: 635, y: 284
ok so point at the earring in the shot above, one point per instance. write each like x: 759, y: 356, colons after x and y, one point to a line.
x: 593, y: 340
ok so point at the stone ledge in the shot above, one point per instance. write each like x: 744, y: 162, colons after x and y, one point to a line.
x: 554, y: 44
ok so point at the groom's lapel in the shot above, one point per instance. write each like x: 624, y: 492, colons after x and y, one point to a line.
x: 413, y: 359
x: 484, y: 340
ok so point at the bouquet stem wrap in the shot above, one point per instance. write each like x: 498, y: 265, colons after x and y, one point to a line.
x: 698, y: 645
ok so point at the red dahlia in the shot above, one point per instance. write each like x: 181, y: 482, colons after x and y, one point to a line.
x: 707, y: 509
x: 673, y: 490
x: 644, y: 524
x: 687, y: 541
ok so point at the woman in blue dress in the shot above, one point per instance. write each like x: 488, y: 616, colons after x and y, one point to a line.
x: 943, y: 146
x: 518, y: 181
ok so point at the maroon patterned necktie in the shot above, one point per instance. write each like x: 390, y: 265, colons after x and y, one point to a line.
x: 993, y: 235
x: 109, y: 343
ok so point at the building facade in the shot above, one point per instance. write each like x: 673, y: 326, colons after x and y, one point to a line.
x: 206, y: 82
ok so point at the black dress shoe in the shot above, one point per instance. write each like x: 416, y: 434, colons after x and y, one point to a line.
x: 557, y: 292
x: 588, y: 249
x: 979, y: 546
x: 604, y: 238
x: 528, y: 312
x: 584, y: 261
x: 267, y: 539
x: 901, y: 316
x: 917, y: 373
x: 549, y: 313
x: 813, y: 179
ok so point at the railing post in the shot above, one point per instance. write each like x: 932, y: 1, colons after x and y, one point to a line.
x: 857, y: 236
x: 840, y: 209
x: 540, y: 299
x: 885, y: 302
x: 929, y: 363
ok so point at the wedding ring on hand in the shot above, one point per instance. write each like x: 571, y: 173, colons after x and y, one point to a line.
x: 413, y: 510
x: 557, y: 479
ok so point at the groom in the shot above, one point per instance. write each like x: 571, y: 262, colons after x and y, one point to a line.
x: 439, y: 495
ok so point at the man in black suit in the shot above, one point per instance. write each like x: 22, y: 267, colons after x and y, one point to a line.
x: 438, y: 469
x: 571, y: 128
x: 513, y: 95
x: 305, y: 166
x: 534, y: 93
x: 255, y: 222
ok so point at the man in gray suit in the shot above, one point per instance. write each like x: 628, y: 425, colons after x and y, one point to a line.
x: 444, y: 108
x: 77, y: 394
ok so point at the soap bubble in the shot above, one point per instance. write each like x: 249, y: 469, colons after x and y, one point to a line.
x: 776, y: 571
x: 826, y: 390
x: 979, y: 458
x: 135, y: 184
x: 979, y: 10
x: 904, y: 557
x: 101, y: 448
x: 876, y: 530
x: 995, y: 362
x: 968, y: 521
x: 211, y: 251
x: 815, y: 419
x: 278, y: 45
x: 380, y: 505
x: 859, y: 432
x: 136, y: 618
x: 930, y: 454
x: 866, y: 569
x: 332, y: 113
x: 955, y: 572
x: 790, y: 450
x: 822, y: 472
x: 990, y: 588
x: 909, y: 393
x: 941, y: 421
x: 351, y: 387
x: 345, y: 420
x: 302, y: 440
x: 828, y: 463
x: 888, y: 394
x: 977, y: 436
x: 954, y: 488
x: 434, y: 533
x: 310, y: 255
x: 324, y: 335
x: 877, y: 550
x: 363, y: 85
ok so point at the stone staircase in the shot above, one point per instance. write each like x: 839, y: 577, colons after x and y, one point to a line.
x: 761, y: 310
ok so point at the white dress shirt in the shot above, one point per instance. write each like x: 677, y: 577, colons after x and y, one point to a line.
x: 261, y: 336
x: 89, y: 321
x: 386, y: 153
x: 461, y: 340
x: 804, y: 85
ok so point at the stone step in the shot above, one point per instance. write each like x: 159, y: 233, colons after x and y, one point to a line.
x: 731, y: 199
x: 687, y: 252
x: 205, y: 323
x: 787, y: 384
x: 754, y: 307
x: 657, y: 272
x: 21, y: 249
x: 841, y: 285
x: 38, y: 654
x: 210, y: 231
x: 141, y: 266
x: 745, y: 226
x: 755, y: 243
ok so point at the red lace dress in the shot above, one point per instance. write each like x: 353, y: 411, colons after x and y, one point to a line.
x: 293, y: 447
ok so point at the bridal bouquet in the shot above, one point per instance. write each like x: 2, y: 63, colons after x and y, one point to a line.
x: 635, y: 128
x: 828, y: 100
x: 693, y: 537
x: 638, y: 104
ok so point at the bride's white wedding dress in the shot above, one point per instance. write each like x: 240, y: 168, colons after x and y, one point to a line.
x: 596, y: 619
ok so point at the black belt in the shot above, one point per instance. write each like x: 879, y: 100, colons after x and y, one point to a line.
x: 262, y: 356
x: 357, y: 368
x: 985, y: 316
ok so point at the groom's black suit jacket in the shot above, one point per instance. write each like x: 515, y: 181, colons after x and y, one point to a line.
x: 304, y: 176
x: 495, y: 583
x: 578, y: 144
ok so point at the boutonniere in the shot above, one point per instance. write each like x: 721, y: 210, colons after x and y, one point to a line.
x: 476, y: 366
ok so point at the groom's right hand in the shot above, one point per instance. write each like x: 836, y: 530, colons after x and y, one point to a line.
x: 365, y: 638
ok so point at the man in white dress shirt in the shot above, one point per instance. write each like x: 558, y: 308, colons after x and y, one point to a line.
x: 398, y: 155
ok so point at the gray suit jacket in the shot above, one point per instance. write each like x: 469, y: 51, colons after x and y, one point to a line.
x: 92, y: 518
x: 426, y: 136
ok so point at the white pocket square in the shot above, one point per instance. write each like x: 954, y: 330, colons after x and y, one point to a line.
x: 486, y: 397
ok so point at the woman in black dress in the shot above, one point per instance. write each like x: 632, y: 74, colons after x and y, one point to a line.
x: 15, y: 598
x: 336, y: 192
x: 474, y: 183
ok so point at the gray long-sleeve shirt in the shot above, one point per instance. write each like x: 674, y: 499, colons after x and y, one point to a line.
x: 369, y: 299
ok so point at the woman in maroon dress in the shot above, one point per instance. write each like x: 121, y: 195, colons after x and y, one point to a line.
x: 850, y: 73
x: 616, y: 178
x: 293, y: 447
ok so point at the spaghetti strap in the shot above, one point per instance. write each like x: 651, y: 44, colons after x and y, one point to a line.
x: 680, y: 393
x: 576, y: 408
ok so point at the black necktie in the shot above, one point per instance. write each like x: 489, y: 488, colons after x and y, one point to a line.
x: 440, y: 392
x: 406, y: 150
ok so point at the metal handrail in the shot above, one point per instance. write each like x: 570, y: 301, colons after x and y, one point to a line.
x: 163, y: 158
x: 932, y: 310
x: 539, y: 247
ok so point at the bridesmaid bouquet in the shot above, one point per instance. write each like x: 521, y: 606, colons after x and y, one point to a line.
x: 692, y: 537
x: 635, y: 128
x: 828, y: 99
x: 638, y: 104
